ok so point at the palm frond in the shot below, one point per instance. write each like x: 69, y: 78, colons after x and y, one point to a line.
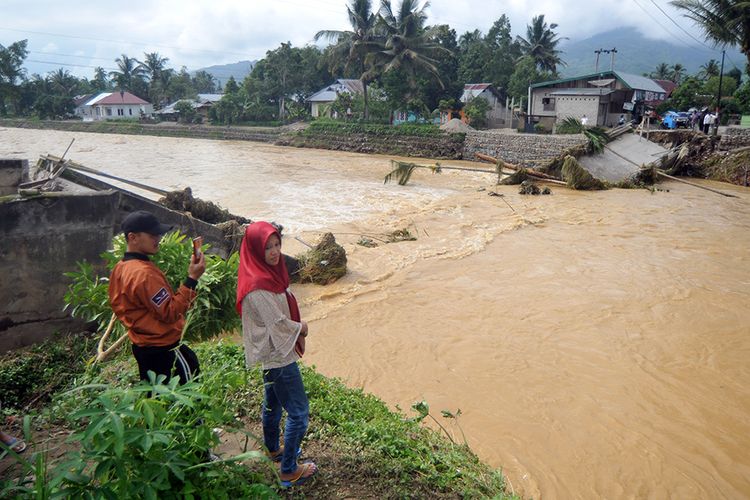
x: 402, y: 170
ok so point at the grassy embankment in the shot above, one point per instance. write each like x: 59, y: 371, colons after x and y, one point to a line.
x: 127, y: 445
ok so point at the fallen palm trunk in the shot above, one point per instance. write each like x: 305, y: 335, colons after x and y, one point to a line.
x: 529, y: 171
x: 403, y: 170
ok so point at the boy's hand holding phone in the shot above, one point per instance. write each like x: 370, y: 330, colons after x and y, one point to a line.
x: 197, y: 260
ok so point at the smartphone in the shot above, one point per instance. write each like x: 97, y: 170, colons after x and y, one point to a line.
x: 197, y: 243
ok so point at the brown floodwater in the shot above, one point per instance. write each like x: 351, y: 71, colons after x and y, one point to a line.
x: 597, y: 344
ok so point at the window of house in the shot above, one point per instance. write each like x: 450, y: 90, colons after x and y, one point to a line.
x: 548, y: 103
x: 130, y: 111
x: 120, y: 112
x: 109, y: 111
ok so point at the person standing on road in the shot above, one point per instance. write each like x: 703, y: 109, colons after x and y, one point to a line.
x: 274, y: 335
x: 706, y: 122
x: 143, y: 300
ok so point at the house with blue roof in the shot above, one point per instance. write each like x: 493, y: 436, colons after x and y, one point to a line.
x: 600, y: 97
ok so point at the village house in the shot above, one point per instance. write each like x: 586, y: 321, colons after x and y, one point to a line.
x: 201, y: 104
x: 499, y: 114
x: 112, y: 106
x: 601, y: 97
x: 321, y: 100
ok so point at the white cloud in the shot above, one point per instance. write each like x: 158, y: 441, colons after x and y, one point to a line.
x: 199, y: 33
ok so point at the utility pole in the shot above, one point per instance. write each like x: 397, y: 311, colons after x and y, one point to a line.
x: 718, y: 93
x: 597, y: 52
x: 612, y: 62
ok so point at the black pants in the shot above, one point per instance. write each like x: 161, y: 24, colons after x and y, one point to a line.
x: 167, y: 360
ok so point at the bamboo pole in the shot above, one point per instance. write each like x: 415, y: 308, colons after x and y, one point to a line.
x: 77, y: 166
x: 659, y: 172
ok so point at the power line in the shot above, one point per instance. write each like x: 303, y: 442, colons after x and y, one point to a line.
x: 683, y: 29
x: 660, y: 24
x: 67, y: 64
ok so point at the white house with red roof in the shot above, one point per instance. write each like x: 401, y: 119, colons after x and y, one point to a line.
x: 114, y: 106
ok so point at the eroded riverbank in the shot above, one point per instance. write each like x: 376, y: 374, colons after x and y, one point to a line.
x: 596, y: 343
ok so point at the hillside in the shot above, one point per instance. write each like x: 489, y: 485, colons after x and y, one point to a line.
x: 637, y: 54
x: 222, y: 72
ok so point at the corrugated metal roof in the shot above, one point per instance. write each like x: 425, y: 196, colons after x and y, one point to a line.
x: 329, y: 93
x: 210, y: 97
x: 634, y: 82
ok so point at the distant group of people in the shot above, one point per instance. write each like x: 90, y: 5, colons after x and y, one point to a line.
x: 273, y: 331
x: 702, y: 120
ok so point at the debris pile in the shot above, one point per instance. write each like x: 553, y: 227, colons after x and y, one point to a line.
x: 528, y: 187
x: 322, y: 264
x: 206, y: 211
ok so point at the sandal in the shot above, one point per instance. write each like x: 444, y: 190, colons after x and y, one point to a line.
x: 16, y: 445
x: 300, y: 478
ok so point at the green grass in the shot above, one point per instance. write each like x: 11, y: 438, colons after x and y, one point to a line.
x: 116, y: 455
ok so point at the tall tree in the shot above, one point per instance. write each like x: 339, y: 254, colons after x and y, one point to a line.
x: 662, y: 72
x: 677, y: 73
x: 711, y: 68
x: 351, y: 48
x: 129, y: 75
x: 100, y: 81
x: 63, y: 83
x: 154, y: 68
x: 722, y: 21
x: 281, y: 70
x: 204, y: 82
x: 408, y: 47
x: 541, y: 44
x: 11, y: 70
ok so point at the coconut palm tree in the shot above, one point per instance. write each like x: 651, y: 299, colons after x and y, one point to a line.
x: 722, y: 21
x: 154, y: 67
x: 662, y: 72
x: 62, y: 82
x: 541, y: 44
x: 130, y: 73
x: 408, y: 46
x: 677, y: 72
x: 711, y: 68
x: 351, y: 48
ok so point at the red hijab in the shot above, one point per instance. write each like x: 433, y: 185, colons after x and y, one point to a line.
x: 255, y: 274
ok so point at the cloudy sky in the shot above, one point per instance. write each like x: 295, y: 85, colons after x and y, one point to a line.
x: 80, y: 35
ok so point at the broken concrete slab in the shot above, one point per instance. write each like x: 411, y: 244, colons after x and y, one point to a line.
x: 622, y: 158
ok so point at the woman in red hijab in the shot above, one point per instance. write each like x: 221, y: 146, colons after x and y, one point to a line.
x: 274, y: 335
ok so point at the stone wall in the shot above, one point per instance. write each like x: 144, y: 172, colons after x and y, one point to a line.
x: 521, y: 149
x: 42, y: 238
x: 448, y: 146
x: 734, y: 137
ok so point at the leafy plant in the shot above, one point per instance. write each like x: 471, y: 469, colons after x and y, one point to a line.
x: 596, y: 136
x: 134, y: 446
x: 213, y: 311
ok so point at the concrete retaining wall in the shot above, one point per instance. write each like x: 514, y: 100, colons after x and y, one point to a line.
x: 520, y: 149
x: 43, y: 237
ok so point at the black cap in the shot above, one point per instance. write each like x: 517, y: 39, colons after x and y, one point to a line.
x: 143, y: 222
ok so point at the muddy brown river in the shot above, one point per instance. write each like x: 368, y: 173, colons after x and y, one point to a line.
x: 597, y: 344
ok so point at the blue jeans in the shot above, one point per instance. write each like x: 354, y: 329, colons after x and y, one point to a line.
x: 284, y: 389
